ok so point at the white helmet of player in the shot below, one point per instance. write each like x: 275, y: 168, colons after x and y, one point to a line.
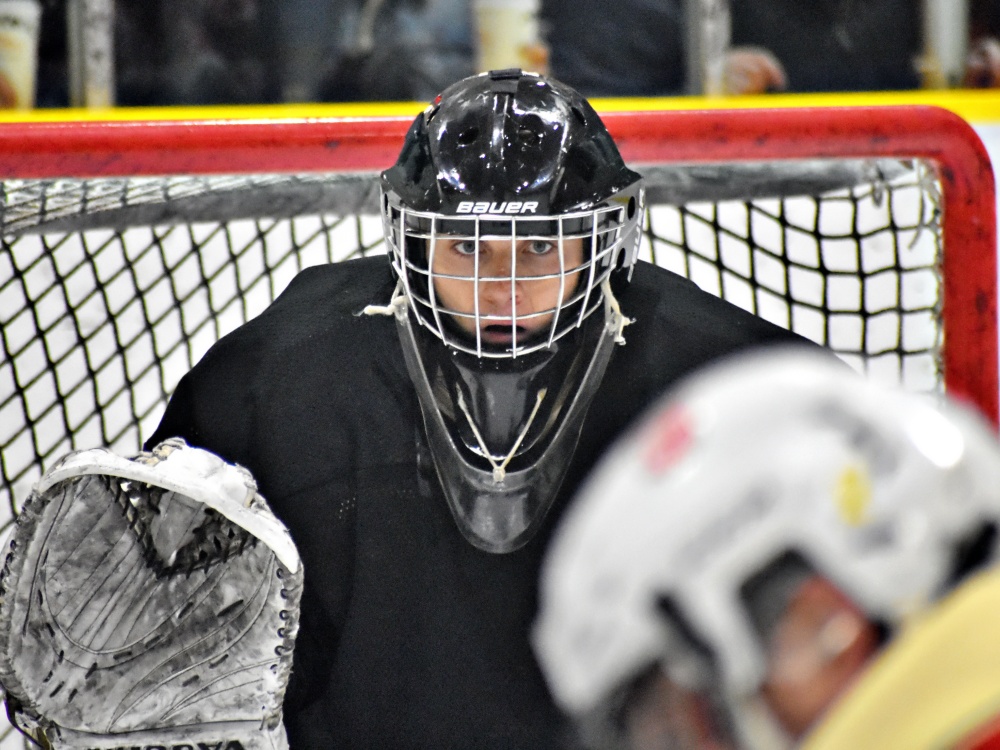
x: 748, y: 477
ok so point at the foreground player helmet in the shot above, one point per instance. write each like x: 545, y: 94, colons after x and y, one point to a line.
x: 511, y: 222
x: 748, y: 480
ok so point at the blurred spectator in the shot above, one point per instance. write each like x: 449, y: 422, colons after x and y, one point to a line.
x: 836, y: 45
x: 184, y: 52
x: 194, y: 52
x: 637, y: 48
x: 622, y: 48
x: 397, y: 50
x: 52, y: 82
x: 983, y: 64
x: 264, y: 51
x: 753, y: 70
x: 267, y: 51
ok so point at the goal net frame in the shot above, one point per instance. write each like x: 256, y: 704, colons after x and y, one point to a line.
x: 648, y: 140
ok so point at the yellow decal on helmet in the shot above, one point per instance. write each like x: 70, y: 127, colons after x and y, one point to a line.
x: 853, y: 495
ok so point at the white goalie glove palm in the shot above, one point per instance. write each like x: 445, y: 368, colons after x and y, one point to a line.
x: 148, y: 602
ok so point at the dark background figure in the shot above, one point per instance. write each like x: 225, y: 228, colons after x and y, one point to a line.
x: 398, y: 50
x: 51, y: 77
x: 194, y: 52
x: 199, y: 52
x: 184, y: 52
x: 269, y: 51
x: 637, y: 49
x: 633, y: 48
x: 983, y: 64
x: 836, y: 45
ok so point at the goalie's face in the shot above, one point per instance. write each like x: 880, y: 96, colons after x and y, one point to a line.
x: 505, y: 291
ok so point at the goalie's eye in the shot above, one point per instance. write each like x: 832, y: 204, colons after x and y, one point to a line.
x: 539, y: 247
x: 465, y: 247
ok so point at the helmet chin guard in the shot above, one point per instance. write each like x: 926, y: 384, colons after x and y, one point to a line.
x: 502, y: 438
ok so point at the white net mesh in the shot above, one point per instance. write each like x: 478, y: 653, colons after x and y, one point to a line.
x: 111, y: 289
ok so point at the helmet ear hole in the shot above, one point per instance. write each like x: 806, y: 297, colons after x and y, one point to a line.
x: 468, y: 136
x: 767, y: 591
x: 973, y: 552
x: 530, y: 129
x: 676, y: 617
x: 630, y: 211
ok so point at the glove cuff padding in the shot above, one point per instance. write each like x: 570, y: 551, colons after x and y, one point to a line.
x: 150, y: 601
x: 220, y: 735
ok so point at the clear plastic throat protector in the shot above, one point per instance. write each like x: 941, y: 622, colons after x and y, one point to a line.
x: 502, y: 431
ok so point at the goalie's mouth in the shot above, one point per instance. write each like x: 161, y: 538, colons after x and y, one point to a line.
x: 500, y: 333
x: 507, y: 334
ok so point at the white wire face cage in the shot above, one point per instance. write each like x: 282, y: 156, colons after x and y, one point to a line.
x: 568, y: 290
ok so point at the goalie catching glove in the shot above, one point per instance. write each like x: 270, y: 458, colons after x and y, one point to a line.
x: 149, y: 602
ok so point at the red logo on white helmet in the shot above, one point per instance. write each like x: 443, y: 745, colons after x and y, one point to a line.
x: 668, y: 438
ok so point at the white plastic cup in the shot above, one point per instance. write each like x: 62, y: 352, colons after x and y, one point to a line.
x: 508, y: 36
x: 19, y: 27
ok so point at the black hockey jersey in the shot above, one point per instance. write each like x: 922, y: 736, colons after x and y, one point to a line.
x: 410, y: 637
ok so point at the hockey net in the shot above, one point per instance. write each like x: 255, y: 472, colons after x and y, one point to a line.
x: 127, y: 251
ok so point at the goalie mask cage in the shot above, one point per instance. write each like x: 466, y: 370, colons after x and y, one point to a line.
x: 129, y: 247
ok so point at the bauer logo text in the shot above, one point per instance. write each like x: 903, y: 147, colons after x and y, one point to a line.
x: 504, y: 207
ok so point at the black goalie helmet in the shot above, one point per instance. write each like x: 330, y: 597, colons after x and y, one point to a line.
x: 511, y: 221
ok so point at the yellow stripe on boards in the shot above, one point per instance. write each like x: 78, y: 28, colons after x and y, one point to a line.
x: 974, y: 105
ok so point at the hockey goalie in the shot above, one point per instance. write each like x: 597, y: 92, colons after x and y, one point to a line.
x: 148, y: 603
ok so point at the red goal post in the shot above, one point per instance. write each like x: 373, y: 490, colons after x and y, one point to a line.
x: 718, y: 164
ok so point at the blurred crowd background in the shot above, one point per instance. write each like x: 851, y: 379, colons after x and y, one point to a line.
x: 281, y: 51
